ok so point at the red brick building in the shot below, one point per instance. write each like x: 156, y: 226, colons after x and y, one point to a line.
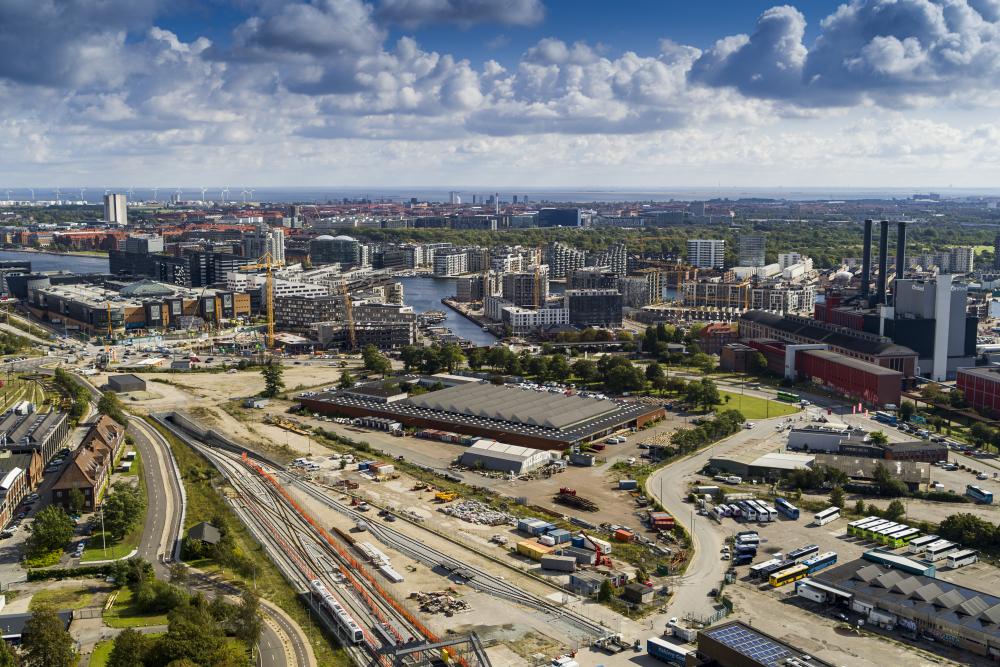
x: 981, y: 387
x: 715, y: 336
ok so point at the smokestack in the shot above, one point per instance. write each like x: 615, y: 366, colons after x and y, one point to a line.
x: 900, y: 250
x: 883, y: 260
x: 866, y: 260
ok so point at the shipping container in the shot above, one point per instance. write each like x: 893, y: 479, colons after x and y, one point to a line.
x: 559, y: 563
x: 582, y: 556
x: 667, y: 652
x: 560, y: 535
x: 627, y: 484
x: 547, y: 540
x: 623, y: 536
x: 577, y: 541
x: 532, y: 549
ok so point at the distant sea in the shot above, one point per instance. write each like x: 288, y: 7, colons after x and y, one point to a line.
x: 442, y: 194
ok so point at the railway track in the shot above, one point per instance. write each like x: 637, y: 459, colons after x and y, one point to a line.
x: 305, y: 555
x: 478, y: 579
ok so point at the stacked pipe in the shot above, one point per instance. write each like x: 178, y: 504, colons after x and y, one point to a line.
x: 866, y: 260
x: 883, y: 261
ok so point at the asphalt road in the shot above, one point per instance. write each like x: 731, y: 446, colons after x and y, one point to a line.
x: 706, y: 570
x: 161, y: 532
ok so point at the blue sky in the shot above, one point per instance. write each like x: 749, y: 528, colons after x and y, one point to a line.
x: 507, y: 92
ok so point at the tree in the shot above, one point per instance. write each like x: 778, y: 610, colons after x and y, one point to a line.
x: 51, y: 530
x: 410, y: 356
x: 130, y: 649
x: 885, y: 483
x: 179, y: 574
x: 346, y: 380
x: 654, y: 372
x: 8, y: 658
x: 981, y: 433
x: 907, y: 410
x: 606, y: 593
x: 709, y: 395
x: 585, y: 370
x: 112, y: 407
x: 273, y: 380
x: 375, y: 361
x: 859, y: 507
x: 559, y: 367
x: 895, y: 511
x: 757, y: 363
x: 878, y: 438
x: 46, y: 642
x: 837, y: 497
x: 956, y: 398
x: 451, y: 356
x: 123, y: 509
x: 77, y: 501
x: 247, y: 619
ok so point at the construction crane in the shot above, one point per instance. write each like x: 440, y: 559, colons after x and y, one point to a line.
x: 349, y: 316
x: 267, y: 263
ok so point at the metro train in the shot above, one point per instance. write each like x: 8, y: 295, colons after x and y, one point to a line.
x: 336, y: 612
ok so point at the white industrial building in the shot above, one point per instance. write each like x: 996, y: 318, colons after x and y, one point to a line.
x: 493, y: 455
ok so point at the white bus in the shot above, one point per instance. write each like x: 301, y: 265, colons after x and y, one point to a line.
x: 918, y: 545
x: 962, y: 558
x: 826, y: 516
x: 757, y: 570
x: 749, y: 510
x: 938, y: 550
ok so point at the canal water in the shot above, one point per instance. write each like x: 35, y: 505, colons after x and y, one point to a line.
x: 41, y: 261
x: 426, y: 293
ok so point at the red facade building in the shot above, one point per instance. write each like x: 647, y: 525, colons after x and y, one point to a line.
x: 981, y: 387
x: 852, y: 377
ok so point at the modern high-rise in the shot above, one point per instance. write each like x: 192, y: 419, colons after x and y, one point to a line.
x: 594, y: 307
x: 996, y: 252
x: 563, y: 259
x: 115, y: 209
x: 961, y: 259
x: 751, y: 249
x: 706, y: 253
x: 265, y: 240
x: 343, y: 250
x: 615, y: 258
x: 519, y: 288
x: 451, y: 263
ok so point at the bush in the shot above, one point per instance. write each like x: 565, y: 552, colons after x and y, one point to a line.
x: 58, y: 574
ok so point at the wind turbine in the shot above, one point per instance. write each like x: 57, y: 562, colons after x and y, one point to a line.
x: 251, y: 194
x: 32, y: 193
x: 177, y: 195
x: 82, y: 197
x: 8, y: 195
x: 244, y: 193
x: 131, y: 192
x: 58, y: 194
x: 155, y: 190
x: 203, y: 191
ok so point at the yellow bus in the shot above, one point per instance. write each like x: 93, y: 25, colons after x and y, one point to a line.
x: 789, y: 575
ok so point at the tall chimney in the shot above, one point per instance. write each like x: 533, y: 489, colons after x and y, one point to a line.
x: 883, y: 260
x: 900, y: 250
x: 866, y: 260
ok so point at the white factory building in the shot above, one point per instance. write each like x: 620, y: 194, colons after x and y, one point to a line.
x: 493, y: 455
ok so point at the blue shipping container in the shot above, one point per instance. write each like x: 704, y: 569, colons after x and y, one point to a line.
x: 577, y: 541
x: 560, y: 536
x: 627, y: 484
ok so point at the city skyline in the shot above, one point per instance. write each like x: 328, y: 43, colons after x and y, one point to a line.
x: 398, y: 93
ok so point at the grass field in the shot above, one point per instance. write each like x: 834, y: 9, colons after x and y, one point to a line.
x: 753, y: 407
x: 102, y: 651
x: 124, y: 615
x: 63, y: 598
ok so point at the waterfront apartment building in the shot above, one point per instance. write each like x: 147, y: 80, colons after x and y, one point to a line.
x: 706, y: 253
x: 451, y: 262
x: 519, y: 288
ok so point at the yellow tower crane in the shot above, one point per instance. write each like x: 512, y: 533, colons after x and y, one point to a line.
x: 267, y: 263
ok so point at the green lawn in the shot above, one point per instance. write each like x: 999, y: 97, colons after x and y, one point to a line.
x: 124, y: 615
x: 63, y: 598
x: 102, y: 651
x: 753, y: 407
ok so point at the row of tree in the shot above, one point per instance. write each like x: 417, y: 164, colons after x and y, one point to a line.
x: 690, y: 439
x: 76, y: 392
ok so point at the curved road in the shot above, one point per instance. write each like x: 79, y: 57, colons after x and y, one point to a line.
x: 706, y: 569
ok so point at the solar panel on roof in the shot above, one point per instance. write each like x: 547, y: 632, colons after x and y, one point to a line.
x: 749, y: 643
